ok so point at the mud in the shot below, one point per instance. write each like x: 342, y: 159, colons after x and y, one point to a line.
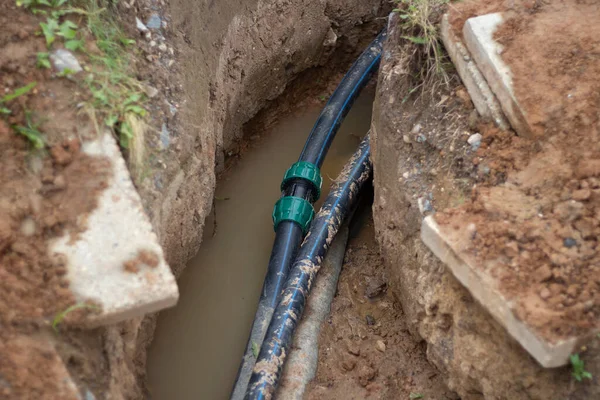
x: 365, y: 348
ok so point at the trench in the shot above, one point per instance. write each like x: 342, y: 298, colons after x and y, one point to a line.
x: 198, y: 345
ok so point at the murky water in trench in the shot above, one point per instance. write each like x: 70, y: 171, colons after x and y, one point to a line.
x: 198, y: 345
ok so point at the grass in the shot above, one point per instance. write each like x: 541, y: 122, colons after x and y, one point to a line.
x: 579, y: 372
x: 31, y: 132
x: 63, y: 314
x: 115, y: 97
x: 419, y: 23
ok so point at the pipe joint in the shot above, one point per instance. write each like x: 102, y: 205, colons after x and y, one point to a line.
x: 307, y: 171
x: 296, y: 209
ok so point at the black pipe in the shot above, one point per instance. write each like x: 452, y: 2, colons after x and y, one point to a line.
x: 289, y: 233
x: 341, y: 200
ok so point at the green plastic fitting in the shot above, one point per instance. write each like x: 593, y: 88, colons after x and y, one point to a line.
x: 291, y: 208
x: 307, y: 171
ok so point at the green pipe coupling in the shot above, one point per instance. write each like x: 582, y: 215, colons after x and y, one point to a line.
x: 297, y: 209
x: 307, y: 171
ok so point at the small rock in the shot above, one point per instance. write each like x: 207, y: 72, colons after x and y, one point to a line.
x: 370, y: 320
x: 475, y: 141
x: 375, y: 287
x: 162, y: 47
x: 421, y: 138
x: 406, y: 175
x: 152, y: 43
x: 154, y: 21
x: 65, y: 60
x: 330, y: 39
x: 60, y: 182
x: 348, y: 363
x: 582, y: 194
x: 365, y: 375
x: 416, y: 129
x: 28, y: 227
x: 544, y: 273
x: 569, y: 242
x: 353, y: 348
x: 472, y: 230
x: 473, y: 119
x: 150, y: 91
x: 172, y: 109
x: 140, y: 25
x: 165, y: 137
x: 406, y: 138
x: 545, y: 293
x: 424, y: 205
x: 380, y: 345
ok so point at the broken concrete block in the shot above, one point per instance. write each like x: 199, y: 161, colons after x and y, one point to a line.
x: 478, y: 33
x: 117, y: 262
x: 484, y: 289
x: 482, y: 96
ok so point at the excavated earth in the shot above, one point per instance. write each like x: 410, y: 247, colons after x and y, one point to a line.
x: 223, y: 62
x: 423, y: 164
x: 209, y: 68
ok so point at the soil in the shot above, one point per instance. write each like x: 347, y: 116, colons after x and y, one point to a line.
x: 226, y: 51
x: 476, y: 356
x: 365, y: 348
x: 541, y: 225
x: 44, y: 194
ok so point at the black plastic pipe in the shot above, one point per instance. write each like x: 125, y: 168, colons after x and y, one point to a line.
x: 276, y: 346
x: 288, y: 234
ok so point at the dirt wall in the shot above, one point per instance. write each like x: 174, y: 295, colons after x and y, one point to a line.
x: 422, y: 163
x: 232, y: 59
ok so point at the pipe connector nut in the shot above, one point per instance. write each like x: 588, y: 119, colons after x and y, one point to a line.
x: 307, y: 171
x: 296, y: 209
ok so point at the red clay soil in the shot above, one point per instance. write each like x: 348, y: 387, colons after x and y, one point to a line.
x: 540, y: 227
x: 44, y: 194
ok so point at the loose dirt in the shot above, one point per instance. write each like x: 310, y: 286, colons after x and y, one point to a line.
x: 365, y: 348
x: 540, y: 226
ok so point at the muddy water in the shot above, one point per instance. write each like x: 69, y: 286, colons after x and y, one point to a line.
x: 198, y: 345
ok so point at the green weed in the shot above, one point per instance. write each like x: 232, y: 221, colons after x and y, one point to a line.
x: 31, y: 132
x: 11, y: 96
x: 414, y: 396
x: 116, y: 97
x: 579, y: 372
x: 419, y: 22
x: 43, y: 60
x: 18, y: 92
x: 61, y: 315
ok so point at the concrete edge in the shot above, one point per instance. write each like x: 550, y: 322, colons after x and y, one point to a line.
x: 483, y: 98
x: 478, y: 33
x: 481, y: 286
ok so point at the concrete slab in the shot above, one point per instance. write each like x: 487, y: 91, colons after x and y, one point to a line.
x: 482, y: 96
x: 117, y: 262
x: 478, y: 34
x: 447, y: 246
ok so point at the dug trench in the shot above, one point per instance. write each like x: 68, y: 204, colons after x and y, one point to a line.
x: 234, y: 76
